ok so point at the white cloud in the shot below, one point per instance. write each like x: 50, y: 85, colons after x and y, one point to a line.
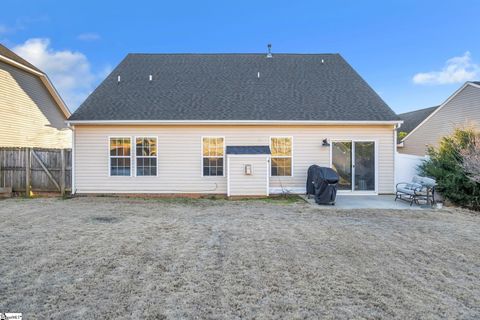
x: 21, y: 23
x: 4, y: 29
x: 70, y: 71
x: 456, y: 70
x: 89, y: 36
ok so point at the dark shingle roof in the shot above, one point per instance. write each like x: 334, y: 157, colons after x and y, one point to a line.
x: 227, y: 87
x: 4, y: 51
x: 248, y: 150
x: 413, y: 118
x: 476, y: 82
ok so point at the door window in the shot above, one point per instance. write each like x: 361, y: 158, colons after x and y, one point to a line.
x: 354, y: 162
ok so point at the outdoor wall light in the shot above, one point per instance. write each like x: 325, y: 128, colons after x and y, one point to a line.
x: 325, y: 143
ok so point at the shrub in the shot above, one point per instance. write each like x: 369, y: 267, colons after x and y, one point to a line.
x: 401, y: 135
x: 471, y: 159
x: 453, y: 165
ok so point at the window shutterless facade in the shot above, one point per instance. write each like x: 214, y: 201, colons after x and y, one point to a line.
x: 213, y: 151
x: 146, y: 156
x: 281, y: 148
x: 120, y: 156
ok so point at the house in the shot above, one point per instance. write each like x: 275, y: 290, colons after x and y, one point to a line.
x: 32, y: 114
x: 412, y: 119
x: 426, y: 127
x: 234, y: 124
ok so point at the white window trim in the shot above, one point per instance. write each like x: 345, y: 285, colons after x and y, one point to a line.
x: 201, y: 156
x: 352, y: 191
x: 151, y: 157
x: 272, y: 156
x: 110, y: 156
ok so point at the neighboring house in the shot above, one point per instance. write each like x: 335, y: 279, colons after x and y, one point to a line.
x: 413, y: 118
x: 426, y: 127
x: 32, y: 114
x: 235, y: 124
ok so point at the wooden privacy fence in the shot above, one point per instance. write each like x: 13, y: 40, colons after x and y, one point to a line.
x: 36, y: 170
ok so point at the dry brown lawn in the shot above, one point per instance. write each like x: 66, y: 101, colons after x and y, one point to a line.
x: 95, y: 258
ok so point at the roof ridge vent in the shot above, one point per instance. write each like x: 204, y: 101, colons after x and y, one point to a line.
x: 269, y: 54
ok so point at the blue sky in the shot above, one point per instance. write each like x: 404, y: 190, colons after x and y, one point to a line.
x: 413, y: 53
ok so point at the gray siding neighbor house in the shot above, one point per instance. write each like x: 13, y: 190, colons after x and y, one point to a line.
x: 426, y: 127
x: 233, y: 124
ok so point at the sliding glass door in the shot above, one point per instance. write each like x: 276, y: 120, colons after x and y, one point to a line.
x: 342, y: 163
x: 364, y: 166
x: 354, y: 162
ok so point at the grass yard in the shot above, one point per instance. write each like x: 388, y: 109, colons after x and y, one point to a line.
x: 95, y: 258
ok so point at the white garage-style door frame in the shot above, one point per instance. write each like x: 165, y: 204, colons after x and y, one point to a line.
x: 355, y: 142
x: 260, y: 165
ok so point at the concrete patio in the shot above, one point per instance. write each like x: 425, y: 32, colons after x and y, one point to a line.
x: 367, y: 202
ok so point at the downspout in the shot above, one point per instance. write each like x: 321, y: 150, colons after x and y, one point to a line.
x: 395, y: 152
x: 73, y: 191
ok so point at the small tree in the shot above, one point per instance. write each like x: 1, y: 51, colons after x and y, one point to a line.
x: 401, y: 135
x: 471, y: 159
x: 453, y: 164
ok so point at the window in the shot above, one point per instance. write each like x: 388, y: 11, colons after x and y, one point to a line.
x: 120, y: 156
x: 212, y: 156
x: 146, y: 156
x: 281, y: 148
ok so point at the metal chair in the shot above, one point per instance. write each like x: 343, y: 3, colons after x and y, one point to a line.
x: 420, y: 188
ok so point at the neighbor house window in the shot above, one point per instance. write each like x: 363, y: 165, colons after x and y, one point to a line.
x: 281, y: 148
x: 146, y: 156
x: 212, y: 156
x: 120, y: 156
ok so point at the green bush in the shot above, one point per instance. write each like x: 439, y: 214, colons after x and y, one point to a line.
x: 401, y: 135
x: 446, y: 166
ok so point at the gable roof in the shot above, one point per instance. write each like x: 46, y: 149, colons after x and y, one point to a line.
x: 4, y: 51
x: 413, y: 118
x: 475, y: 84
x: 10, y: 57
x: 234, y: 87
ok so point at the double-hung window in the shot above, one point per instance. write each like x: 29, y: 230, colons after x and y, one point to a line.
x: 212, y: 156
x: 120, y: 156
x: 281, y: 148
x: 146, y: 156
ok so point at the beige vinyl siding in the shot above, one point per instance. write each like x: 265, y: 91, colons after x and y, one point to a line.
x: 248, y: 185
x: 463, y: 109
x: 179, y: 155
x: 29, y: 117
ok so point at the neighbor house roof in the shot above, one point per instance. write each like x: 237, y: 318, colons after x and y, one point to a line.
x: 11, y: 58
x: 413, y: 118
x: 234, y: 87
x: 427, y: 113
x: 248, y: 150
x: 4, y: 51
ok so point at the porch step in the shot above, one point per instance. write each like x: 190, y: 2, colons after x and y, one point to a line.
x: 5, y: 192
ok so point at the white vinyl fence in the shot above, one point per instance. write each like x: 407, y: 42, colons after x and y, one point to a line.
x: 406, y: 166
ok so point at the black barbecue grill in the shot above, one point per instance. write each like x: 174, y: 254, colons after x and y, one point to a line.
x: 322, y: 184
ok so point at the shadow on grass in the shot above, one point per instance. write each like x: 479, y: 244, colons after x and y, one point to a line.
x: 207, y: 199
x: 276, y: 199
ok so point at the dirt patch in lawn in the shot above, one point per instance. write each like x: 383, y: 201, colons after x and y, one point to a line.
x: 91, y: 258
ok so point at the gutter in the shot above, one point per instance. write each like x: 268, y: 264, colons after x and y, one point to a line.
x: 228, y: 122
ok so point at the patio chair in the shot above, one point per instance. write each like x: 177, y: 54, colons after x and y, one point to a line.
x: 420, y: 188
